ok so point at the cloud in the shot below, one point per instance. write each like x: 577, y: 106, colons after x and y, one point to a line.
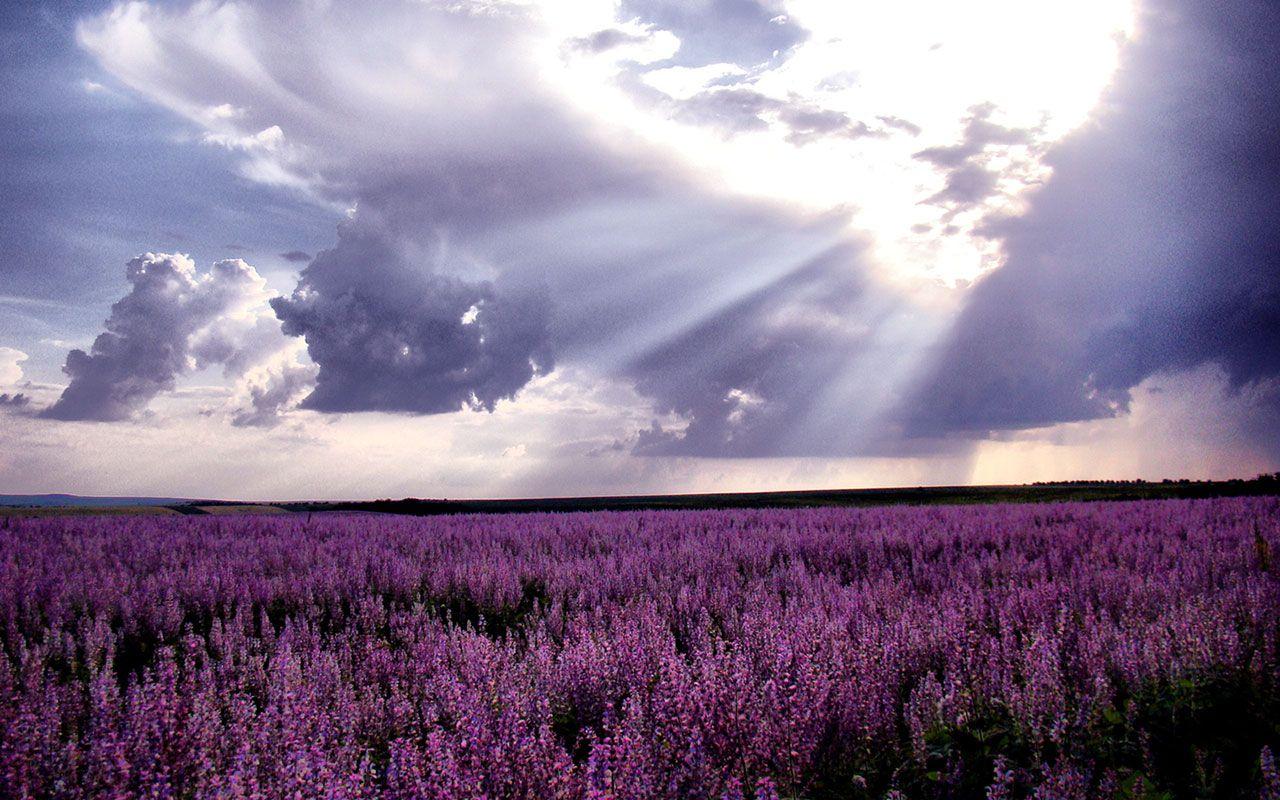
x: 979, y: 134
x: 1188, y: 424
x: 496, y: 226
x: 628, y: 42
x: 383, y: 310
x: 272, y: 388
x: 11, y: 365
x: 967, y: 185
x: 901, y: 124
x: 1154, y: 247
x: 173, y: 320
x: 18, y: 400
x: 808, y: 124
x: 238, y: 339
x: 414, y: 340
x: 505, y: 221
x: 737, y: 31
x: 969, y: 179
x: 296, y: 257
x: 501, y: 180
x: 441, y: 120
x: 267, y: 139
x: 606, y: 39
x: 731, y: 110
x: 739, y: 109
x: 369, y: 456
x: 725, y: 97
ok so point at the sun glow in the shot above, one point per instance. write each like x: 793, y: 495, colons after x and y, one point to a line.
x: 914, y: 73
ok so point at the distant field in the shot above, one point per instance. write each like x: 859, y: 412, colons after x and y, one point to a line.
x: 1055, y: 651
x: 242, y: 508
x: 63, y: 511
x: 1079, y: 491
x: 1082, y: 491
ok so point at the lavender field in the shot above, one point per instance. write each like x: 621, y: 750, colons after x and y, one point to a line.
x: 1050, y: 651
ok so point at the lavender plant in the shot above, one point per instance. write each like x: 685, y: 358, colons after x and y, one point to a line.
x: 1123, y: 650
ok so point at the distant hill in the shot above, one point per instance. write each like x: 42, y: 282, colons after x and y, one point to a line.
x: 75, y: 501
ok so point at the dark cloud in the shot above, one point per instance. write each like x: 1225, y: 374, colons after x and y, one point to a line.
x: 1154, y: 247
x: 148, y: 339
x: 809, y: 124
x: 969, y: 180
x: 296, y: 256
x: 413, y: 340
x: 607, y: 39
x: 979, y: 133
x: 967, y: 185
x: 742, y: 109
x: 18, y: 400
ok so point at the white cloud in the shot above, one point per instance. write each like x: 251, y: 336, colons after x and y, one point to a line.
x: 10, y: 365
x: 1187, y: 424
x: 273, y: 387
x: 1041, y: 66
x: 684, y: 82
x: 268, y: 139
x: 224, y: 111
x: 173, y: 320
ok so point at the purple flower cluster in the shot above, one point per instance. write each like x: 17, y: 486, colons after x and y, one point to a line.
x: 1049, y: 651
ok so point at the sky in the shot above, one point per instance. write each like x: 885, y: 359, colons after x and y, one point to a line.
x: 495, y: 248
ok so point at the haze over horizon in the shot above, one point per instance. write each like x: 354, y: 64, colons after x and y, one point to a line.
x: 500, y: 248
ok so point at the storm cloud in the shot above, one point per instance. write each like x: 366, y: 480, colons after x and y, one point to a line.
x: 1154, y: 247
x: 414, y: 339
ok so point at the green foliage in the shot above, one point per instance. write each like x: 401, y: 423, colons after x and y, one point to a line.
x: 1196, y: 739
